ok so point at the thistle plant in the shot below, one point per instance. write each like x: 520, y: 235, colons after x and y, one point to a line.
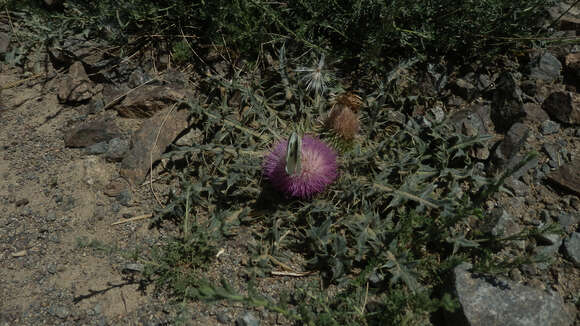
x: 398, y: 215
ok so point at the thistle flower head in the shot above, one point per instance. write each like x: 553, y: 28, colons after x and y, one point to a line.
x: 318, y: 168
x: 343, y: 117
x: 316, y: 78
x: 343, y: 121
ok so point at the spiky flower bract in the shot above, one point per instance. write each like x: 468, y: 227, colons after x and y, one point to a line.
x: 319, y: 168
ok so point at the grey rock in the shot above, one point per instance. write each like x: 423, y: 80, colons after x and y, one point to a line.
x: 507, y: 105
x: 247, y: 320
x: 483, y: 82
x: 146, y: 101
x: 96, y: 105
x: 468, y: 129
x: 563, y: 107
x: 99, y: 213
x: 475, y: 121
x: 124, y: 197
x: 518, y: 187
x: 567, y: 219
x: 501, y: 223
x: 572, y: 246
x: 568, y: 176
x: 51, y: 269
x: 548, y: 252
x: 146, y: 146
x: 512, y: 143
x: 115, y: 207
x: 98, y: 148
x: 552, y: 150
x: 76, y: 87
x: 91, y: 133
x: 549, y: 127
x: 534, y: 112
x: 133, y: 268
x: 491, y: 301
x: 546, y: 67
x: 567, y: 18
x: 117, y: 149
x: 531, y: 164
x: 51, y: 217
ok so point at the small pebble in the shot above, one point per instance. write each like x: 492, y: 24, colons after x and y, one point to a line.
x: 124, y: 197
x: 247, y: 320
x: 21, y: 202
x: 549, y: 127
x: 133, y: 268
x: 51, y: 217
x: 20, y: 253
x: 52, y: 269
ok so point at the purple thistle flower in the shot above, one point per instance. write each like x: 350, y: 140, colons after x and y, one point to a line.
x: 319, y: 168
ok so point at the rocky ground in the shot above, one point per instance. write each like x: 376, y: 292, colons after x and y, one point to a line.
x: 80, y: 129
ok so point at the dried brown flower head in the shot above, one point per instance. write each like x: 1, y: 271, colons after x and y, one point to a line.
x: 343, y: 117
x: 343, y: 121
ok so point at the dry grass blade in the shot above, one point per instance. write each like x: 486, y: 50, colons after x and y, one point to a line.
x: 132, y: 219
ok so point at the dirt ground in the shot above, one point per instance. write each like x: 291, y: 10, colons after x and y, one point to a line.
x: 53, y: 206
